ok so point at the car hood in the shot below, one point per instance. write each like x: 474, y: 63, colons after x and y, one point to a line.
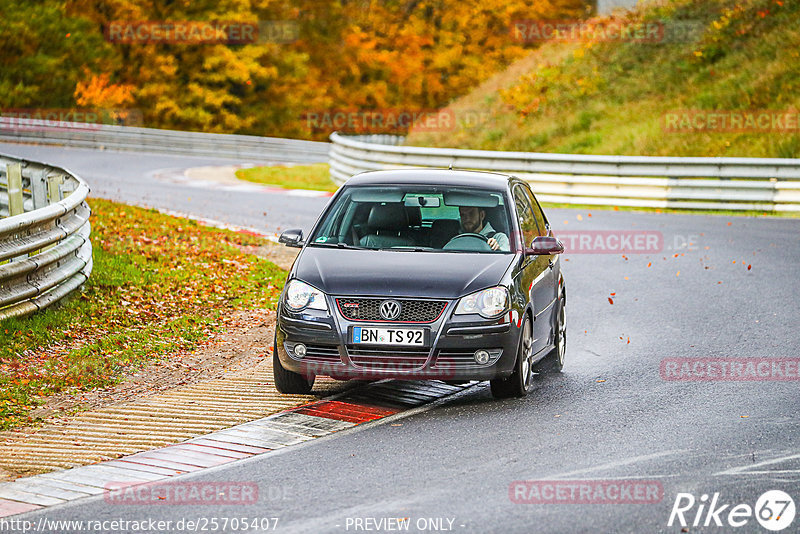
x: 400, y: 274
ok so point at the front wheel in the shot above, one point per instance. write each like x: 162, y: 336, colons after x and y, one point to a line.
x: 287, y: 381
x: 521, y: 380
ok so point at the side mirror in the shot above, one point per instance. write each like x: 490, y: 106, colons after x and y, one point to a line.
x: 292, y: 238
x: 544, y: 245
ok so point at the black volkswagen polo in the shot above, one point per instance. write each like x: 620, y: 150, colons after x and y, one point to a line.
x: 438, y: 274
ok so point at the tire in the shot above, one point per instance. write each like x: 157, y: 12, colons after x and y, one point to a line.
x: 554, y: 361
x: 521, y: 380
x: 287, y: 381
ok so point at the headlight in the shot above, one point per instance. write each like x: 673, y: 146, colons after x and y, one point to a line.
x: 489, y: 303
x: 300, y: 296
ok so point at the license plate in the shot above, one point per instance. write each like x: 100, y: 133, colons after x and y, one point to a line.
x: 388, y: 336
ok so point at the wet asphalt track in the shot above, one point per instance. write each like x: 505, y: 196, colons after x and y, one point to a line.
x: 609, y: 415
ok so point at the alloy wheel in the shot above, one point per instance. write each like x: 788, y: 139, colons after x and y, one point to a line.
x: 526, y: 356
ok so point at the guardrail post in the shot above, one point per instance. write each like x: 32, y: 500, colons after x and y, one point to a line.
x: 39, y: 188
x: 14, y: 174
x: 54, y: 188
x: 16, y: 204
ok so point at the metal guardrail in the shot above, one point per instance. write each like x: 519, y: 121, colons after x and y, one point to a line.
x: 45, y: 251
x: 638, y: 181
x: 128, y: 138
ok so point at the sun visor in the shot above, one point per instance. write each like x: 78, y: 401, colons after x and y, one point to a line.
x: 377, y: 194
x: 466, y: 198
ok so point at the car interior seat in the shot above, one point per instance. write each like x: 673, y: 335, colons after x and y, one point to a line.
x: 385, y: 225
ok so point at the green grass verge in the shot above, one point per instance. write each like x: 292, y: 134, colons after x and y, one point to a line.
x: 316, y: 177
x: 160, y: 285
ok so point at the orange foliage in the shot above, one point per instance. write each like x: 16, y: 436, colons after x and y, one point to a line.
x: 97, y: 92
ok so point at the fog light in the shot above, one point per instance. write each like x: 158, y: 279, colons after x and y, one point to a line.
x: 300, y: 350
x: 481, y: 357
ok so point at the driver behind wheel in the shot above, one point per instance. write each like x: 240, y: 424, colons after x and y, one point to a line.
x: 473, y: 221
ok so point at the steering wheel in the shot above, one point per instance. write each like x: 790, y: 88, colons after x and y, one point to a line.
x: 468, y: 241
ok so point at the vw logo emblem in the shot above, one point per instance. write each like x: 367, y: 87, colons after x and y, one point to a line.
x: 390, y: 310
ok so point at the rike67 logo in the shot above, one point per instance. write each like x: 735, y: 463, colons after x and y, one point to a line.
x: 774, y: 510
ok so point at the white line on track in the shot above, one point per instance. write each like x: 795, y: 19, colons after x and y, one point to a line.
x: 749, y: 469
x: 620, y: 463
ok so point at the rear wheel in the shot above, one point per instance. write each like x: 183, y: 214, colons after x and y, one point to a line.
x: 554, y: 361
x: 521, y: 380
x: 288, y: 381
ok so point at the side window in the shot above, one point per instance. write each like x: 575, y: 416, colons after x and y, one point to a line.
x: 527, y: 222
x: 541, y: 222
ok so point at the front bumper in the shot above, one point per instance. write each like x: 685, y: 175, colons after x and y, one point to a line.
x: 448, y: 354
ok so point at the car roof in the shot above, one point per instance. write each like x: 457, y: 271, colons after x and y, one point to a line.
x: 447, y: 177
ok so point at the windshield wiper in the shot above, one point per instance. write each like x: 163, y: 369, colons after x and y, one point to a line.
x: 409, y: 248
x: 337, y: 245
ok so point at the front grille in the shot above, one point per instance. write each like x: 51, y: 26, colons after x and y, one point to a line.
x: 388, y: 359
x: 412, y: 310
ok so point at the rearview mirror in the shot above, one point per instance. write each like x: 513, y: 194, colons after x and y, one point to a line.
x: 292, y: 238
x: 544, y: 245
x: 421, y: 201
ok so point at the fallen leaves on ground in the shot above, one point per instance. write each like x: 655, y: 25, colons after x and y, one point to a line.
x: 160, y: 285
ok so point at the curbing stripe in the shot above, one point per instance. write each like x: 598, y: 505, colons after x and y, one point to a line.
x: 302, y: 430
x: 8, y: 508
x: 350, y: 408
x: 156, y: 462
x: 48, y: 491
x: 320, y: 418
x: 118, y: 472
x: 225, y: 453
x: 208, y: 461
x: 29, y: 498
x: 228, y: 446
x: 296, y: 418
x: 75, y: 475
x: 388, y: 397
x: 188, y: 451
x: 339, y: 417
x: 142, y: 467
x: 250, y: 441
x: 62, y: 484
x: 265, y: 433
x: 283, y: 428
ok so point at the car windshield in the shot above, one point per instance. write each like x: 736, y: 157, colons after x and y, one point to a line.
x: 417, y: 218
